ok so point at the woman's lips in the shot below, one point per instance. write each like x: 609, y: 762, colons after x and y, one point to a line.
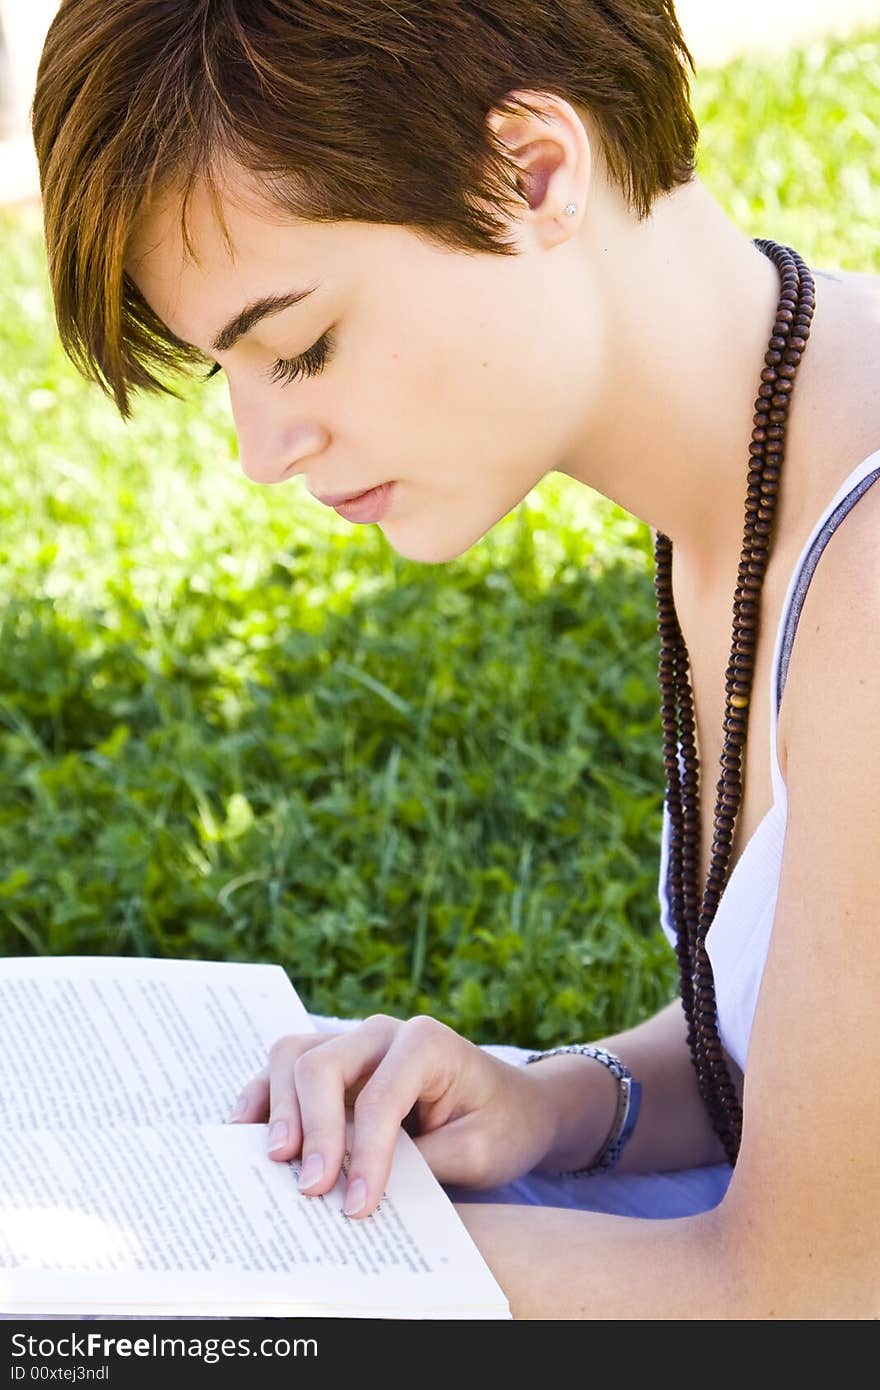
x: 361, y: 506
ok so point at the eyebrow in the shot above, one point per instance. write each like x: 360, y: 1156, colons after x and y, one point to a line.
x: 252, y: 313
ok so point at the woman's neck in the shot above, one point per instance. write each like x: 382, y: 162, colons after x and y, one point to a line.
x: 689, y: 304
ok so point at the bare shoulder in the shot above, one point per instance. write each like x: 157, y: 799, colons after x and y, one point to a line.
x: 840, y: 617
x: 858, y: 283
x: 862, y: 282
x: 835, y: 658
x: 805, y: 1186
x: 838, y: 420
x: 858, y: 294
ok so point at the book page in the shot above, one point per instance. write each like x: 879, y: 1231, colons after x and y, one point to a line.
x: 203, y: 1221
x: 92, y: 1041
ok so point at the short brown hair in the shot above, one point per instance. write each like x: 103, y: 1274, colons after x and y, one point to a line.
x: 346, y: 109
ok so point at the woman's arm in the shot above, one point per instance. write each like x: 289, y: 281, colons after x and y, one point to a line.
x: 556, y: 1263
x: 673, y: 1129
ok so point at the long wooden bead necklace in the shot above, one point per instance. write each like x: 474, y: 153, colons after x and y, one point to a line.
x: 690, y: 916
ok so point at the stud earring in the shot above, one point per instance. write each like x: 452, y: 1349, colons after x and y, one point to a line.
x: 570, y: 209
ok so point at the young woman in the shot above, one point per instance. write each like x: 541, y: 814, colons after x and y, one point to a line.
x: 439, y: 251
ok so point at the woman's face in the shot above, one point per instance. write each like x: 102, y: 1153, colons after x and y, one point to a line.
x: 462, y: 378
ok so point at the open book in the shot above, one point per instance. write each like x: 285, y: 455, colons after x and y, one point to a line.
x: 125, y: 1192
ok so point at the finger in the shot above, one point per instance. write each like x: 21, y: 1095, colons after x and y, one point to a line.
x: 253, y: 1100
x: 284, y: 1137
x: 323, y: 1077
x: 415, y: 1067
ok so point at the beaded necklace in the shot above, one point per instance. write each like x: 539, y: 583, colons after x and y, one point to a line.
x: 690, y: 919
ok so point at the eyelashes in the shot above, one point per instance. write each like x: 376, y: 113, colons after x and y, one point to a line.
x: 309, y: 363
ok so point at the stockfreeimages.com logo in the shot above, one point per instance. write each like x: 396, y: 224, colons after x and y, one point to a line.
x: 97, y: 1346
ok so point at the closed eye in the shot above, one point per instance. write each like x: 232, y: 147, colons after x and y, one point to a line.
x: 285, y: 370
x: 307, y: 364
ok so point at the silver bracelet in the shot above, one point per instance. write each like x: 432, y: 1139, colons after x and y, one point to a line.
x: 629, y: 1096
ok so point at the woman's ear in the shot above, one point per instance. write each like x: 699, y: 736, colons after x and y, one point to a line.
x: 552, y: 152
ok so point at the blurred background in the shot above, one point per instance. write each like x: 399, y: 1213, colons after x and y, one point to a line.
x: 232, y: 726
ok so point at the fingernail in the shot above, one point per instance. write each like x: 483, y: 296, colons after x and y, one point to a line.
x: 312, y: 1172
x: 355, y: 1197
x: 241, y: 1106
x: 277, y: 1135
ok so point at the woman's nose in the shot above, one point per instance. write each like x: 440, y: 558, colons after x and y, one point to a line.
x: 271, y: 450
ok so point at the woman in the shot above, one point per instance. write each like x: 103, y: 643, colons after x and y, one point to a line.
x: 440, y: 251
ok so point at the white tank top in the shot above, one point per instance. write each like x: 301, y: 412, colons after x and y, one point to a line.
x: 738, y: 940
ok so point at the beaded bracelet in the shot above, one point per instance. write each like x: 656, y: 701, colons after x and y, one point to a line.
x: 629, y: 1095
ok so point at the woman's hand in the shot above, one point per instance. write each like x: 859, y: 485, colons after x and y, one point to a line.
x: 477, y: 1120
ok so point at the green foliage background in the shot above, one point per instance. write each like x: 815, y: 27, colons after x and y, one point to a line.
x: 234, y: 727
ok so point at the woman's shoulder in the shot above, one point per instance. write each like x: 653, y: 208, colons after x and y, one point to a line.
x: 805, y: 1184
x: 858, y: 308
x: 861, y: 287
x: 839, y: 421
x: 840, y: 613
x: 860, y: 281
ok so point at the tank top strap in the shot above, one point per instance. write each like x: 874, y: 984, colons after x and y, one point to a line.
x: 863, y: 476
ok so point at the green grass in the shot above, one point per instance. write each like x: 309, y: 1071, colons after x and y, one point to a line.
x: 234, y: 727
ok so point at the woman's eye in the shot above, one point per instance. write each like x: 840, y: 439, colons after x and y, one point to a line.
x: 307, y: 364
